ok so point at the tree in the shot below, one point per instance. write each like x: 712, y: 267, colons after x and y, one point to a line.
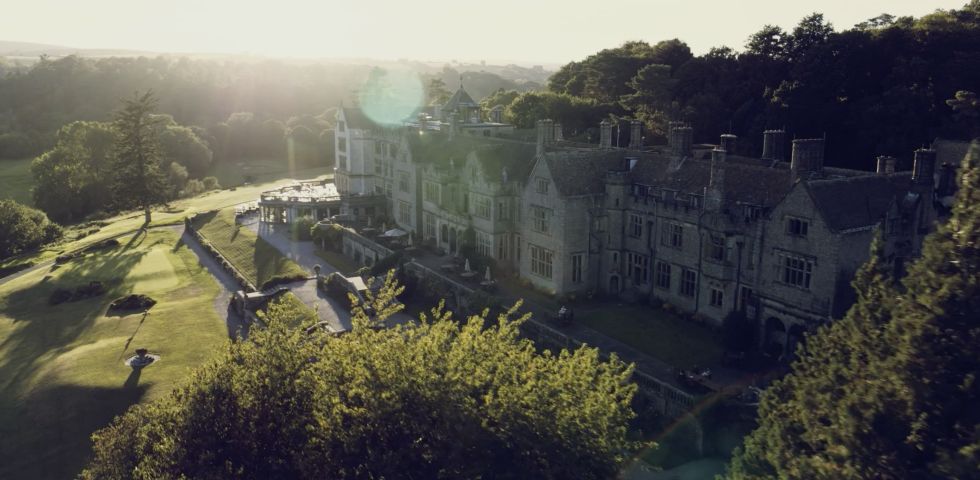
x: 23, y: 228
x: 76, y: 170
x: 889, y: 391
x: 180, y: 144
x: 436, y: 399
x: 769, y: 42
x: 139, y: 180
x: 436, y: 92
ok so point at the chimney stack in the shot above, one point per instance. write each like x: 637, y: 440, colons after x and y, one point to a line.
x: 714, y: 192
x: 681, y: 141
x: 605, y: 134
x: 886, y: 165
x: 924, y: 167
x: 773, y: 145
x: 636, y: 135
x: 728, y: 143
x: 542, y: 130
x: 807, y: 156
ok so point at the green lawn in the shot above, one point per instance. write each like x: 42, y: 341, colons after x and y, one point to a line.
x: 655, y: 332
x: 16, y: 180
x: 341, y: 262
x: 262, y: 170
x: 173, y: 214
x: 61, y: 367
x: 255, y: 258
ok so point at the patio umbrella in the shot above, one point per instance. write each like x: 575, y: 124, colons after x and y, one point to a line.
x: 486, y: 276
x: 466, y: 267
x: 395, y: 232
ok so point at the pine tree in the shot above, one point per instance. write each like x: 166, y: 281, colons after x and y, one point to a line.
x: 139, y: 180
x: 937, y: 337
x: 891, y: 390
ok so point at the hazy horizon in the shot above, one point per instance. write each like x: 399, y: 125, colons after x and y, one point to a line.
x: 547, y: 33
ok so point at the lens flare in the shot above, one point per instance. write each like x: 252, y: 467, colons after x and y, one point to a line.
x: 391, y: 96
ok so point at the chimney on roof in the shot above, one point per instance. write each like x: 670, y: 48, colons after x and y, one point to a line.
x: 670, y: 131
x: 546, y: 132
x: 728, y: 143
x: 681, y: 141
x: 886, y: 165
x: 807, y: 157
x: 559, y: 135
x: 773, y: 145
x: 605, y: 134
x: 714, y: 192
x: 924, y: 166
x: 636, y: 135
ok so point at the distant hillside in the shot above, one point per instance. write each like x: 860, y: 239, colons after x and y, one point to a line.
x: 29, y: 49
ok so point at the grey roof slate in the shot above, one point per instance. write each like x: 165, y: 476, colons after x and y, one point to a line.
x: 459, y: 99
x: 494, y: 155
x: 855, y: 202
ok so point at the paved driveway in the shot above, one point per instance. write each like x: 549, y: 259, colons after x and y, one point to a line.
x: 304, y: 254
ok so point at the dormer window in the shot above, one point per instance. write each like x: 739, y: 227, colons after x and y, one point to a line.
x: 541, y: 185
x: 797, y: 226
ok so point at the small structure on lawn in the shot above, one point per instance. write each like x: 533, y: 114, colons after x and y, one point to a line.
x: 315, y: 199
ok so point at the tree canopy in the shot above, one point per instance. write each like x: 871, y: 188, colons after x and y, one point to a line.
x: 437, y: 399
x: 139, y: 178
x: 23, y: 228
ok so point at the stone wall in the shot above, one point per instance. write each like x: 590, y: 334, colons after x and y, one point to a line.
x: 361, y: 249
x: 223, y: 262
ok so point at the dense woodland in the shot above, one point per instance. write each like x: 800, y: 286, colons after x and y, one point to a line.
x: 877, y: 88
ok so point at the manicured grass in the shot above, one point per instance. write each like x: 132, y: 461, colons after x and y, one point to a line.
x: 261, y: 170
x: 255, y: 258
x: 61, y: 367
x: 338, y: 260
x: 16, y: 180
x: 174, y: 214
x: 655, y: 332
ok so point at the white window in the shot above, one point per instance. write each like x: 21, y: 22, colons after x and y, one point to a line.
x: 638, y: 267
x: 503, y: 213
x: 342, y: 162
x: 484, y: 244
x: 663, y: 275
x: 672, y: 235
x: 716, y: 248
x: 429, y: 227
x: 388, y: 190
x: 481, y: 205
x: 795, y: 270
x: 405, y: 213
x: 577, y: 262
x: 403, y: 181
x: 541, y: 219
x: 541, y: 261
x: 717, y: 297
x: 342, y: 145
x: 431, y: 192
x: 635, y: 226
x: 797, y: 226
x: 541, y: 185
x: 689, y: 282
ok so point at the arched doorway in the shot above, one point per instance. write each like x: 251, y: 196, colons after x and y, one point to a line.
x: 444, y: 233
x: 614, y: 284
x: 452, y: 240
x: 795, y: 338
x: 775, y: 344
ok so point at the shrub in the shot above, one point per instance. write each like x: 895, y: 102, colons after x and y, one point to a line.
x: 24, y: 228
x: 132, y: 302
x: 211, y: 183
x: 301, y: 229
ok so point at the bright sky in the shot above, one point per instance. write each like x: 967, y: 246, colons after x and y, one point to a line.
x: 527, y: 31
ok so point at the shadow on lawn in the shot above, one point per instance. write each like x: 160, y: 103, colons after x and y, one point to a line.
x: 50, y: 437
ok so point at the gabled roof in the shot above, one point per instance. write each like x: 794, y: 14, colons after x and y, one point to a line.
x: 746, y: 180
x: 847, y: 203
x: 459, y: 99
x: 494, y: 155
x: 357, y: 119
x: 582, y: 173
x: 950, y: 151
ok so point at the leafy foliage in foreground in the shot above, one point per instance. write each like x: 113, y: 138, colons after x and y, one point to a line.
x: 891, y: 391
x: 438, y: 399
x: 23, y: 228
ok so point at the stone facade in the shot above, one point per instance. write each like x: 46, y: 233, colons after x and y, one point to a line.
x: 696, y: 226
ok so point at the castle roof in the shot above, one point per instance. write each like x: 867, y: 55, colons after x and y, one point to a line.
x: 356, y: 118
x: 494, y: 155
x: 860, y: 201
x: 582, y: 173
x: 459, y: 99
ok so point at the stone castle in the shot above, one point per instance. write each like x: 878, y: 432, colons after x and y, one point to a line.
x: 777, y: 237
